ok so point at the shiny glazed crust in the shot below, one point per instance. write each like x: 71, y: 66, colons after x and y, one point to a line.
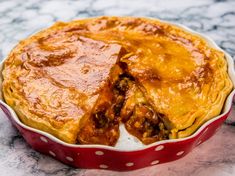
x: 67, y: 80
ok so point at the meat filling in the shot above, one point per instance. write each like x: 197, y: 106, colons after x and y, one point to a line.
x: 102, y: 127
x: 146, y: 125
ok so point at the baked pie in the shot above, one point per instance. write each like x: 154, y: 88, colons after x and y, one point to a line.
x: 80, y: 80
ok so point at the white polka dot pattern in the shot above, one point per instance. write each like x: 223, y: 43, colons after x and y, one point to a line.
x: 180, y: 153
x: 52, y: 153
x: 69, y: 158
x: 205, y: 130
x: 99, y: 153
x: 43, y: 139
x: 103, y: 166
x: 129, y: 164
x: 160, y: 147
x: 199, y: 142
x: 154, y: 162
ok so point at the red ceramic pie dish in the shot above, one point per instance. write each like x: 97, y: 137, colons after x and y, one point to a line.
x: 114, y: 158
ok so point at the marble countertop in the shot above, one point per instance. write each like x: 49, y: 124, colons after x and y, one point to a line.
x: 215, y: 18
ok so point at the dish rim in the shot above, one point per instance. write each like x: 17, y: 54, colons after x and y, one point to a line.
x: 226, y: 107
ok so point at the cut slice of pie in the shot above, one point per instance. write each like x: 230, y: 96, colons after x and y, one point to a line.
x: 54, y: 81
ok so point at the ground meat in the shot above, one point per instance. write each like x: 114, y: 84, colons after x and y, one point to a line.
x: 118, y: 105
x: 146, y: 125
x: 100, y: 119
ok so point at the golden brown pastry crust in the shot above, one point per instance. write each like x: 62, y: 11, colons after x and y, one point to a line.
x: 55, y: 80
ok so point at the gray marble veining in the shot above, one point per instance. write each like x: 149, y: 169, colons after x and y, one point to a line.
x: 215, y: 18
